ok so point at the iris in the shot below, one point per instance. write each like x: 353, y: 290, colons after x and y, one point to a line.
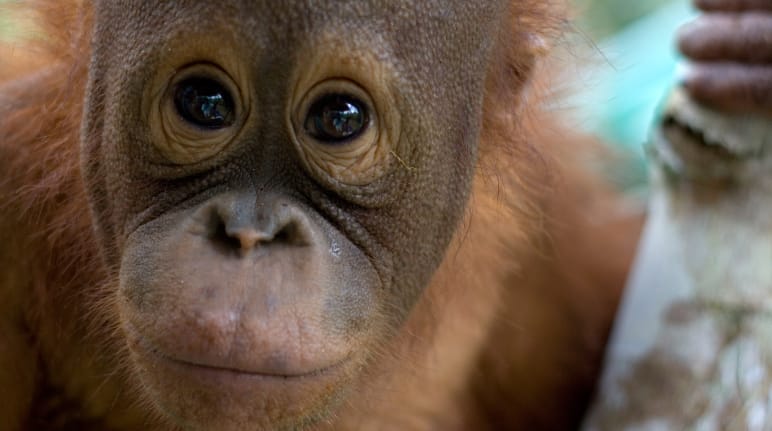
x: 204, y: 103
x: 336, y: 118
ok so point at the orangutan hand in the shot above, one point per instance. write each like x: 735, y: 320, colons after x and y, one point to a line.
x: 729, y: 48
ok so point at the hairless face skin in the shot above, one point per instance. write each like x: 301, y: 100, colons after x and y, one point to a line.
x: 256, y: 170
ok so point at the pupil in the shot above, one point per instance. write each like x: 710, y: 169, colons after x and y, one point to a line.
x: 204, y: 103
x: 336, y: 118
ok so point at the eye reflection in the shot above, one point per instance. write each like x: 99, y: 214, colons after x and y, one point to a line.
x: 336, y: 118
x: 205, y: 103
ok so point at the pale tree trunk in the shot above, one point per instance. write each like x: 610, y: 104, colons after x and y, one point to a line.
x: 692, y: 346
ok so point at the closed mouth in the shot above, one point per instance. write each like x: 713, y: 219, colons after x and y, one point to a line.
x: 319, y: 372
x: 143, y: 347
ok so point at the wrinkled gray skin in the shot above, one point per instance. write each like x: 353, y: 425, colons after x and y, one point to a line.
x: 249, y: 283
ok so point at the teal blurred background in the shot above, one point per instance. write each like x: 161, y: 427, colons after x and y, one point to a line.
x: 627, y: 63
x: 639, y: 63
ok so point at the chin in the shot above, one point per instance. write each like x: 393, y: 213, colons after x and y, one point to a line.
x: 202, y: 397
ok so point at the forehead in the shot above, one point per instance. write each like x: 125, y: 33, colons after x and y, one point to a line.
x: 269, y: 21
x: 303, y: 11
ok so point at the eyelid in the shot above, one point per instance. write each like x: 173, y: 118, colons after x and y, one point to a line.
x: 355, y: 161
x: 335, y: 65
x: 181, y: 142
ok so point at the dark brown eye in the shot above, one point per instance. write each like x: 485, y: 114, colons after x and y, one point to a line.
x: 205, y: 103
x: 336, y: 118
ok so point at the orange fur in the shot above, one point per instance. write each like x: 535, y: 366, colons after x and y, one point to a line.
x: 510, y: 332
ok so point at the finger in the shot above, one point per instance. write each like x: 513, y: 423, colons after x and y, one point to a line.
x: 731, y: 87
x: 733, y: 5
x: 743, y: 37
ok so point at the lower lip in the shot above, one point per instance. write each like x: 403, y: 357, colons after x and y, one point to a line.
x: 181, y: 389
x: 206, y: 371
x: 228, y: 376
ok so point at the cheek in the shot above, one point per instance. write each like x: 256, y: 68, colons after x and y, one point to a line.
x: 418, y: 226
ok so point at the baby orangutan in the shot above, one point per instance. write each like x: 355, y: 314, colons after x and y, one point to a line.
x: 260, y: 214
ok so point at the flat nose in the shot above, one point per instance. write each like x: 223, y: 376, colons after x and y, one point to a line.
x: 243, y: 223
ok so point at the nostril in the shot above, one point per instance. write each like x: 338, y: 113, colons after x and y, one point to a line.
x: 245, y: 238
x: 241, y: 238
x: 288, y: 234
x: 225, y: 241
x: 236, y: 226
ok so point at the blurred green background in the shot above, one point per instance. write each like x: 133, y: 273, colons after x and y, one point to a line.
x: 5, y: 24
x: 603, y: 18
x: 628, y: 65
x: 638, y: 63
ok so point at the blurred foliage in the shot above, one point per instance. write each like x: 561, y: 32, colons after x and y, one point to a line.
x: 602, y: 18
x: 5, y: 24
x: 635, y: 65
